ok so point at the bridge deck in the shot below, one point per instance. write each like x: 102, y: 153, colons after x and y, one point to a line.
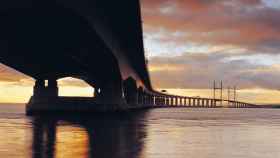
x: 91, y: 105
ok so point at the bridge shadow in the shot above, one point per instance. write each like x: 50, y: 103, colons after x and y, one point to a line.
x: 116, y: 136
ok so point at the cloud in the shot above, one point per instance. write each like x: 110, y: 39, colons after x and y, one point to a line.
x: 249, y: 24
x: 227, y: 38
x: 199, y: 70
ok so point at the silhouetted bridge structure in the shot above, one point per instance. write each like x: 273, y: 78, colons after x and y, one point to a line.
x: 98, y: 41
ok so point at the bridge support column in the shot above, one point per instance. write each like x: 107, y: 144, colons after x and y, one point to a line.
x: 156, y: 100
x: 149, y: 102
x: 193, y: 102
x: 143, y: 98
x: 203, y: 102
x: 213, y: 103
x: 180, y: 101
x: 146, y: 99
x: 190, y: 102
x: 43, y: 95
x: 111, y: 93
x: 41, y: 90
x: 52, y: 88
x: 130, y: 91
x: 167, y: 101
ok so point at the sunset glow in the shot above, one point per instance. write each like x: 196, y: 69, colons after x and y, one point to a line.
x: 191, y: 43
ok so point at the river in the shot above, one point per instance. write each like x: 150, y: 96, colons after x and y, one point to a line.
x: 156, y: 133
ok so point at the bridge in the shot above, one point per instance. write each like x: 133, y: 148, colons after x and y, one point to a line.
x: 98, y: 41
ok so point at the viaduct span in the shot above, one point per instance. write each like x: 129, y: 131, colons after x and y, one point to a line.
x: 98, y: 41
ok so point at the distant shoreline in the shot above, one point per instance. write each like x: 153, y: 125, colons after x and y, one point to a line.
x: 13, y: 104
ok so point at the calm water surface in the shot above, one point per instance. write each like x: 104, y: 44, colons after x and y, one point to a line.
x: 158, y: 133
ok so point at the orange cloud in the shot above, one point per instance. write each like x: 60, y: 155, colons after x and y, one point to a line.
x: 243, y: 23
x: 165, y: 68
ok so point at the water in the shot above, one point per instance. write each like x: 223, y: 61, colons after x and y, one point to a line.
x: 158, y: 133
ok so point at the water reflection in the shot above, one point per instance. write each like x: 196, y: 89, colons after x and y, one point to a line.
x: 88, y: 137
x: 158, y: 133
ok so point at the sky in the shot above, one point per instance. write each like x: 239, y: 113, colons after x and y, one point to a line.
x: 191, y: 43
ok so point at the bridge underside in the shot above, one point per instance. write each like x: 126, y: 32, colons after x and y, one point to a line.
x: 48, y: 43
x: 99, y: 43
x: 49, y: 40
